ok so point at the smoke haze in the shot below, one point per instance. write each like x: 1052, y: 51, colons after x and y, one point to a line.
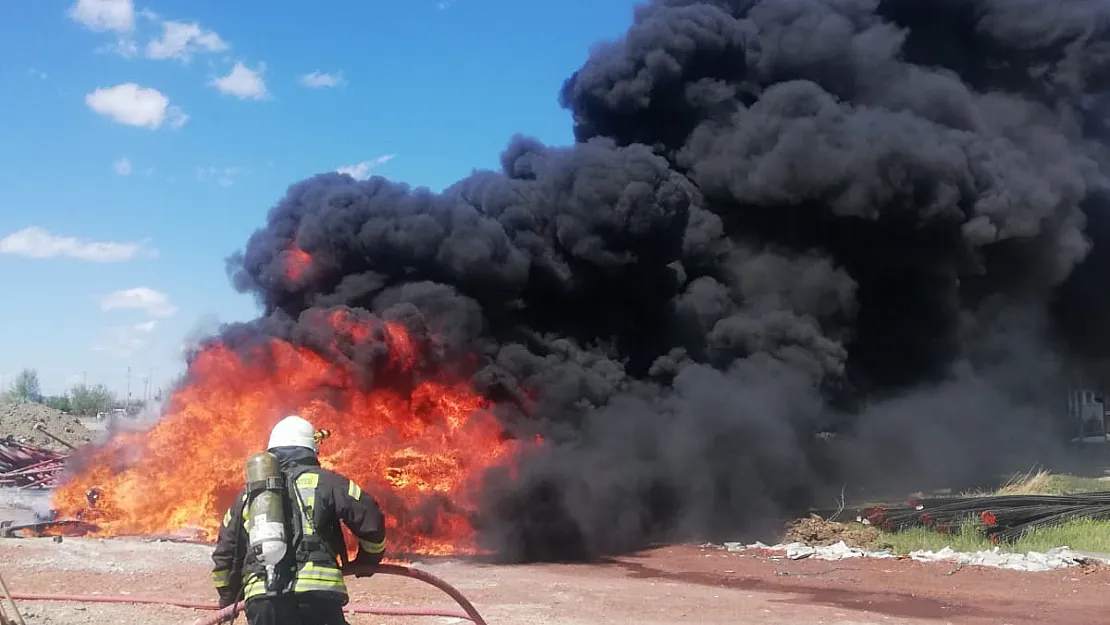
x: 779, y: 217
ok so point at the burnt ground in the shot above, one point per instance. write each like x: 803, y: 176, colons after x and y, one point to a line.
x: 683, y: 584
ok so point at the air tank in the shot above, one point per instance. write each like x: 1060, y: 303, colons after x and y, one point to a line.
x: 266, y: 513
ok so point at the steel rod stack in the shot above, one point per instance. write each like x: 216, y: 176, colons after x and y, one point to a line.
x: 1003, y: 518
x: 27, y: 466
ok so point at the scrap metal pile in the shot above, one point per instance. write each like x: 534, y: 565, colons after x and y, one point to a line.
x: 27, y: 466
x: 1003, y: 518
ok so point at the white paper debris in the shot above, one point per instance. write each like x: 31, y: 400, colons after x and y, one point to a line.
x: 1058, y: 558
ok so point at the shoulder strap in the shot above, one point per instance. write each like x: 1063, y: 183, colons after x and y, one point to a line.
x: 315, y: 543
x: 307, y: 533
x: 297, y: 507
x: 302, y: 506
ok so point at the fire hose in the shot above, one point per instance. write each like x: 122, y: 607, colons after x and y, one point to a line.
x: 223, y: 615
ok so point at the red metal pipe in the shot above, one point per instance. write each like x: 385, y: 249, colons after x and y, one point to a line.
x: 43, y: 468
x: 40, y: 483
x: 37, y: 465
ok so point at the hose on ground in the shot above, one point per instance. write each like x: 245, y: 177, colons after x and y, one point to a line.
x: 225, y: 613
x: 426, y: 577
x: 470, y: 612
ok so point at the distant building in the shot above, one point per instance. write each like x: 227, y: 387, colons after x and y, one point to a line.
x: 1087, y: 410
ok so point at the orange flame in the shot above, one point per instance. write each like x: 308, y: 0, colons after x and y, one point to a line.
x: 297, y: 262
x: 416, y: 452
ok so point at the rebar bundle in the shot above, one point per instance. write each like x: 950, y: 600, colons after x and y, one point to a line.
x: 1003, y: 518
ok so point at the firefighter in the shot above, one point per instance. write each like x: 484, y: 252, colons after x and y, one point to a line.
x: 311, y: 589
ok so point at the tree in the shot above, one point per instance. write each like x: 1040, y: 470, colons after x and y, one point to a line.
x: 89, y: 400
x: 58, y: 402
x: 26, y: 386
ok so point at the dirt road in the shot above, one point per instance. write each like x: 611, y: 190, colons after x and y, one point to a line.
x: 696, y: 585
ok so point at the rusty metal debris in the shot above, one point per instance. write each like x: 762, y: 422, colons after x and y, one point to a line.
x: 27, y: 466
x: 71, y: 526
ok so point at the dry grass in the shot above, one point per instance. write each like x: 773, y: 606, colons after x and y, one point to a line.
x: 1033, y: 483
x: 1041, y: 482
x: 1045, y: 483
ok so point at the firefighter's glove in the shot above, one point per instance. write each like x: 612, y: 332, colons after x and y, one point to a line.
x: 365, y: 564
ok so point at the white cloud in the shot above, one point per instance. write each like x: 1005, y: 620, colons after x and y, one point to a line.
x: 361, y: 171
x: 37, y: 73
x: 155, y: 303
x: 146, y: 326
x: 132, y: 105
x: 181, y: 40
x: 125, y: 340
x: 321, y: 80
x: 123, y: 166
x: 38, y: 243
x: 125, y: 47
x: 243, y: 82
x: 224, y: 176
x: 101, y: 15
x: 443, y: 5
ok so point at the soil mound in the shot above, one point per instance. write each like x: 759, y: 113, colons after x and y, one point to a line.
x: 18, y: 420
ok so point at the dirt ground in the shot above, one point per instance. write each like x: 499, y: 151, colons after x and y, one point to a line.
x: 685, y: 584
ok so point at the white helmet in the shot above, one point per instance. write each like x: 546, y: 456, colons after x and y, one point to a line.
x: 292, y: 431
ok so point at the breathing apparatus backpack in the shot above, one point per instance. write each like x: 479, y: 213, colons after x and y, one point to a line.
x: 266, y: 523
x: 277, y: 543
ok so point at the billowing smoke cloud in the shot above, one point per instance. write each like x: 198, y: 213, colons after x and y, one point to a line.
x: 780, y: 217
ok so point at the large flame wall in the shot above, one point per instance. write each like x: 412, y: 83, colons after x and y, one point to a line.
x: 417, y: 452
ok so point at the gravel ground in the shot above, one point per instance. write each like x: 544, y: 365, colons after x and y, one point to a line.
x: 18, y: 419
x: 102, y: 555
x: 687, y: 584
x: 94, y: 614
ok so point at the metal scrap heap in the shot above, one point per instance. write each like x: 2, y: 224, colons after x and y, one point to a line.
x: 28, y: 466
x: 1002, y: 518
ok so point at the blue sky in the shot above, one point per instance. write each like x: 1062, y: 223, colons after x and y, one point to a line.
x: 143, y: 142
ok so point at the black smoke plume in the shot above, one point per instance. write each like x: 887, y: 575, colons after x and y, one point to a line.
x: 885, y: 219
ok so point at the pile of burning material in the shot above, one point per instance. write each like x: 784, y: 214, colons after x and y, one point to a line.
x: 28, y: 466
x: 1004, y: 518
